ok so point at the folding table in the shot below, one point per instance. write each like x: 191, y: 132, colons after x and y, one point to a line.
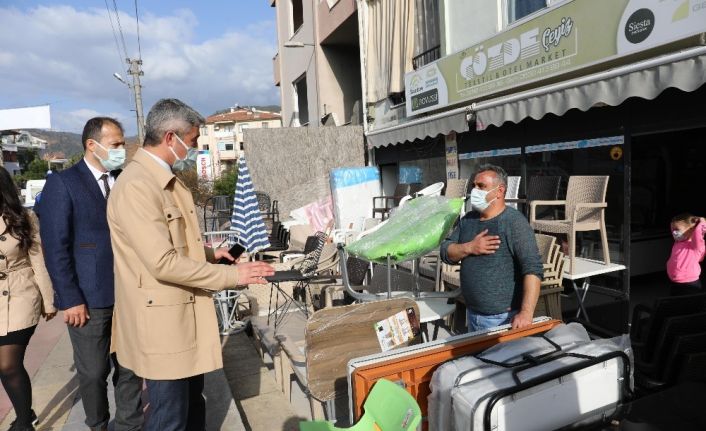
x: 584, y: 269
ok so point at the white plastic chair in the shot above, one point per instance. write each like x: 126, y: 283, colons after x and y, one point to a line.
x: 513, y: 190
x: 225, y: 301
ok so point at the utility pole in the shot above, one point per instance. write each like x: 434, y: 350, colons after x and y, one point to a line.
x: 136, y: 72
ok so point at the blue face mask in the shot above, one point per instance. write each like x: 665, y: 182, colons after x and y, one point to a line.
x: 478, y: 202
x: 188, y: 162
x: 115, y: 160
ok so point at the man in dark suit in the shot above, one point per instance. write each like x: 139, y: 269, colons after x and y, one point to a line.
x: 79, y: 259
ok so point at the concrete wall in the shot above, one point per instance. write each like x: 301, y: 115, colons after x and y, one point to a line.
x: 293, y: 164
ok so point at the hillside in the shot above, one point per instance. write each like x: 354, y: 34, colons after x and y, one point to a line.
x: 66, y: 143
x: 60, y: 142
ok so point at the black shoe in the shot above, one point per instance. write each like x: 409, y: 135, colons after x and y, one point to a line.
x: 14, y: 426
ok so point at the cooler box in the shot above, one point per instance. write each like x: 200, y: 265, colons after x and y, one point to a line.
x: 559, y: 379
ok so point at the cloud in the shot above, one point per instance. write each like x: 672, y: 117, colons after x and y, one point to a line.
x: 67, y: 56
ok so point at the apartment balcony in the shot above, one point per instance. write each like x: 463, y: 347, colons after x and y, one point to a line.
x: 228, y: 155
x: 228, y: 134
x: 427, y: 57
x: 276, y: 69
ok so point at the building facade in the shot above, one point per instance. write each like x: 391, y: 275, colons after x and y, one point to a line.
x: 221, y: 140
x: 317, y: 66
x: 547, y: 87
x: 14, y: 141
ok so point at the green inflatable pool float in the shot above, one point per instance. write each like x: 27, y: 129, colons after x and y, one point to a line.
x: 413, y: 230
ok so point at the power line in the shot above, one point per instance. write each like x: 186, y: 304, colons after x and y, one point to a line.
x: 137, y: 20
x: 120, y: 27
x: 115, y: 35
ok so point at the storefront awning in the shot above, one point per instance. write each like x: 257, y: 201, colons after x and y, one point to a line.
x: 685, y: 70
x: 443, y: 123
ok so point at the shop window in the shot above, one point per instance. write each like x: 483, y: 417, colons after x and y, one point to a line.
x: 297, y: 15
x: 518, y: 9
x: 265, y: 125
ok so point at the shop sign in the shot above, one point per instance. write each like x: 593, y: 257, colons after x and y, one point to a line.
x: 572, y: 36
x: 203, y: 165
x: 490, y: 153
x: 576, y: 145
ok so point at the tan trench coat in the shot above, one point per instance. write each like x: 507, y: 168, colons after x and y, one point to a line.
x: 25, y: 287
x: 164, y: 325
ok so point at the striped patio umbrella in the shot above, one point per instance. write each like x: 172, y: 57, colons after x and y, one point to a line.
x: 247, y: 219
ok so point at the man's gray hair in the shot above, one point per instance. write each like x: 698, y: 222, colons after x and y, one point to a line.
x: 170, y: 115
x: 499, y: 172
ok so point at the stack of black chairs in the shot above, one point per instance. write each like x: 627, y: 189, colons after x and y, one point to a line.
x: 278, y: 237
x: 669, y: 341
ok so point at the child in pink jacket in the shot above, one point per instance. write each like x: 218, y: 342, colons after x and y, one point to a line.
x: 683, y: 266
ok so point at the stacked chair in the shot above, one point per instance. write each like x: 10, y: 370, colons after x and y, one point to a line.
x: 549, y: 302
x: 669, y: 341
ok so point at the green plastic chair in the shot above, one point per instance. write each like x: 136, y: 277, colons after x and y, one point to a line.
x: 389, y: 407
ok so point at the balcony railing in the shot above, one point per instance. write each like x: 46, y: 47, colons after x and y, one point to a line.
x: 426, y: 57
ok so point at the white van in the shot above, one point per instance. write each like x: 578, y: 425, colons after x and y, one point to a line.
x: 30, y: 191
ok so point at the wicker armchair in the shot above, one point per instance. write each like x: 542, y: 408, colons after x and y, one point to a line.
x: 584, y: 210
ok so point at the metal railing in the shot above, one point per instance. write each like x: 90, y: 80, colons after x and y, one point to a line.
x: 426, y: 57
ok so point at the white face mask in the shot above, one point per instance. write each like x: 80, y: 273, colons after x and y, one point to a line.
x: 677, y: 235
x: 478, y: 202
x: 115, y: 160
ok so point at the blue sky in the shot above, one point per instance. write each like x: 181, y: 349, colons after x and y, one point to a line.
x: 211, y: 54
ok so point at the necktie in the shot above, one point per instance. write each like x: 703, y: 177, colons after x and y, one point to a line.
x: 106, y: 187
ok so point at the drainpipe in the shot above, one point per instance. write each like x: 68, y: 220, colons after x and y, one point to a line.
x: 363, y: 43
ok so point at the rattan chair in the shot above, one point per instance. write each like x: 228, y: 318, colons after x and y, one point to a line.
x: 584, y: 210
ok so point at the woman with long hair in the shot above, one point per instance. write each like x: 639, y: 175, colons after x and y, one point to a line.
x: 25, y: 295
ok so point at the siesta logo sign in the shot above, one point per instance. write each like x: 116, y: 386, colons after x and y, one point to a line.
x: 639, y: 26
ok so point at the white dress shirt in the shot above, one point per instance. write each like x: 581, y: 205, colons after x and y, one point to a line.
x: 98, y: 174
x: 161, y: 162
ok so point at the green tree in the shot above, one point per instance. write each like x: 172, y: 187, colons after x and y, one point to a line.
x: 225, y: 184
x: 36, y: 170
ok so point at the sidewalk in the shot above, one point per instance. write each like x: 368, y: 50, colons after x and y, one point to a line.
x: 49, y: 362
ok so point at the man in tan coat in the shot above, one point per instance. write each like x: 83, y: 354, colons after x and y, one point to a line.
x: 165, y: 327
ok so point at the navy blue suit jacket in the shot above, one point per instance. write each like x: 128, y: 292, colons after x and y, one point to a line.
x: 76, y: 239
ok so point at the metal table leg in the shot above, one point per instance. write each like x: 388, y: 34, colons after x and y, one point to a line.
x: 580, y: 298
